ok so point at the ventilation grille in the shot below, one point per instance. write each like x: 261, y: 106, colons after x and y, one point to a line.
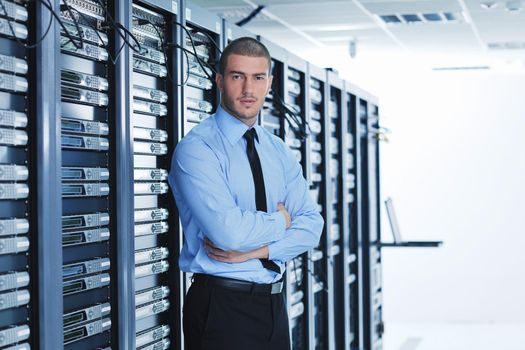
x: 411, y: 18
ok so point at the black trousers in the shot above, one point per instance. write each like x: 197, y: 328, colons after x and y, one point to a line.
x: 218, y: 318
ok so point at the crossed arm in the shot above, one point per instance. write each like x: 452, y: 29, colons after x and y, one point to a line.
x: 236, y: 235
x: 235, y: 256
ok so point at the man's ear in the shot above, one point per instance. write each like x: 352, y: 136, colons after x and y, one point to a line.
x: 219, y: 80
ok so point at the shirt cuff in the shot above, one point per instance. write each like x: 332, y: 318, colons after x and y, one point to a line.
x: 275, y: 251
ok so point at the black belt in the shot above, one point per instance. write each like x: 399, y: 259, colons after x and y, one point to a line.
x: 238, y: 285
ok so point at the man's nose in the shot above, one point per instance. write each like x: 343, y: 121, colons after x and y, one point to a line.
x: 247, y: 86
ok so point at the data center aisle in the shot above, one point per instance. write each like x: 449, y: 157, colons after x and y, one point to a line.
x: 454, y: 336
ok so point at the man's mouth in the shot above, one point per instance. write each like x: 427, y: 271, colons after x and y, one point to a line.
x: 247, y: 101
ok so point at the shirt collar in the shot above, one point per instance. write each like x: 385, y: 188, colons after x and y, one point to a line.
x: 232, y: 127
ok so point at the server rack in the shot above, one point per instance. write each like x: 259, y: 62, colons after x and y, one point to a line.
x: 337, y: 232
x: 351, y: 232
x: 322, y: 274
x: 17, y: 179
x: 201, y: 97
x: 154, y: 90
x: 89, y: 219
x: 299, y: 280
x: 369, y: 209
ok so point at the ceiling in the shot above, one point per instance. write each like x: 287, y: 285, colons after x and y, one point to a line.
x: 477, y: 29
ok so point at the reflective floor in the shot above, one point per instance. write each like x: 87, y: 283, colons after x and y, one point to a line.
x: 454, y: 336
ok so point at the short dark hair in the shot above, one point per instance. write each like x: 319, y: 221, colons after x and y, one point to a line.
x: 244, y: 46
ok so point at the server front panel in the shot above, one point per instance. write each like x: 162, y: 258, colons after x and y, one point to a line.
x: 151, y: 120
x: 295, y: 90
x: 17, y: 197
x: 318, y: 185
x: 88, y: 193
x: 336, y: 231
x: 350, y: 186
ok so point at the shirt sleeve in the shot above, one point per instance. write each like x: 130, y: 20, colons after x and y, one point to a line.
x: 197, y: 176
x: 307, y: 223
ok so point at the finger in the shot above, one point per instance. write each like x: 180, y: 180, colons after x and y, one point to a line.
x: 206, y: 240
x: 208, y: 244
x: 218, y: 252
x: 280, y: 206
x: 218, y: 257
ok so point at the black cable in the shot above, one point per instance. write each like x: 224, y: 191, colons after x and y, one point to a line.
x: 319, y: 277
x: 209, y: 38
x: 196, y: 56
x: 75, y: 22
x: 302, y: 127
x: 136, y: 48
x: 49, y: 6
x: 251, y: 16
x: 163, y: 46
x: 133, y: 48
x: 194, y: 48
x: 117, y: 26
x: 85, y: 20
x: 298, y: 125
x: 187, y: 69
x: 88, y: 23
x: 20, y: 42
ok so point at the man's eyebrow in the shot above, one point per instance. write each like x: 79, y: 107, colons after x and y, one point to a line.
x: 236, y: 72
x: 243, y: 73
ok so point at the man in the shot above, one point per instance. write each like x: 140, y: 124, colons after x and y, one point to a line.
x: 245, y: 209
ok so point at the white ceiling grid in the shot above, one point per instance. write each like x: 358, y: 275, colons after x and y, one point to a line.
x: 475, y: 32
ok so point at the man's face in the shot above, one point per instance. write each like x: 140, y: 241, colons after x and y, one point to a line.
x: 244, y: 86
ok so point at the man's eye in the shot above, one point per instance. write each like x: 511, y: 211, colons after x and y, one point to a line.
x: 236, y: 77
x: 260, y: 77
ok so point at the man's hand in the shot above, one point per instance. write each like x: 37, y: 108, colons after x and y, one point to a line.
x: 287, y: 218
x: 234, y: 256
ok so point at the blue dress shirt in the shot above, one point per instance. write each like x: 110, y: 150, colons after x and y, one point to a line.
x: 212, y: 182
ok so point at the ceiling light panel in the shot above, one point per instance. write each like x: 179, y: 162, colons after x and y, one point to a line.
x: 320, y: 13
x: 452, y: 38
x: 223, y: 3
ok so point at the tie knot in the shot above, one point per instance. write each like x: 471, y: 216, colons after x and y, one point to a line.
x: 251, y: 134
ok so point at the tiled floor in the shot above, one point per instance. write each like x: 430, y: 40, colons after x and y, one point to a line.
x: 454, y: 336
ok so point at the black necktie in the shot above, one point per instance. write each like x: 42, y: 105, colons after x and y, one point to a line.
x: 258, y: 181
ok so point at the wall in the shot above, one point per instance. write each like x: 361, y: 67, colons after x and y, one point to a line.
x: 455, y: 166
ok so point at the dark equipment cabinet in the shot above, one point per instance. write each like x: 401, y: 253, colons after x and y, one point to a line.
x: 298, y: 281
x: 318, y: 178
x: 18, y: 278
x: 351, y: 233
x: 368, y: 212
x: 153, y: 90
x: 88, y: 168
x: 337, y: 232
